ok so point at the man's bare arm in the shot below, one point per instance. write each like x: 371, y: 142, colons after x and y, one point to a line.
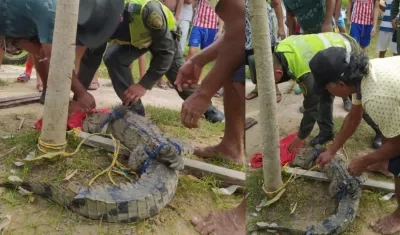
x: 179, y: 5
x: 338, y: 8
x: 348, y: 14
x: 291, y: 22
x: 376, y: 13
x: 330, y: 9
x: 277, y: 4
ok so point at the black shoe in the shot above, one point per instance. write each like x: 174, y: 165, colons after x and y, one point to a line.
x: 377, y: 142
x: 214, y: 115
x: 43, y: 96
x: 320, y: 140
x: 347, y: 104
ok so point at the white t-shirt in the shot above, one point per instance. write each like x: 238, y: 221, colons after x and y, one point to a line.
x: 186, y: 12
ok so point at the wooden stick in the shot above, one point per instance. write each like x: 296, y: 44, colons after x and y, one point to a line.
x: 9, y: 102
x: 196, y: 168
x: 368, y: 184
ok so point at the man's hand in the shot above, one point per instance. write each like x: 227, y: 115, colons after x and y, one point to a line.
x: 281, y: 33
x: 188, y: 76
x: 75, y: 106
x: 357, y: 166
x: 217, y: 35
x: 193, y: 108
x: 326, y: 27
x: 324, y: 158
x: 294, y: 145
x: 134, y: 93
x: 373, y: 31
x: 87, y: 101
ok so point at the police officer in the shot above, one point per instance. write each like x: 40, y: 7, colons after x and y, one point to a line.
x: 146, y: 25
x: 291, y: 58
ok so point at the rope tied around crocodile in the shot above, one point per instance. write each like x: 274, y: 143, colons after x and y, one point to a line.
x: 115, y: 114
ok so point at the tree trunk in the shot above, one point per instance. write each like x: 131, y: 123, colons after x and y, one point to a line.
x: 55, y: 111
x: 266, y: 89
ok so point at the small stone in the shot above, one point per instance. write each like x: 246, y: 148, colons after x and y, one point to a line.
x: 12, y: 171
x: 254, y: 214
x: 19, y: 164
x: 14, y: 178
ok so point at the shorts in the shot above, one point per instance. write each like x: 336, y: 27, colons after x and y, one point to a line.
x: 394, y: 166
x: 340, y: 22
x: 361, y: 33
x: 202, y: 37
x: 240, y: 74
x: 384, y: 39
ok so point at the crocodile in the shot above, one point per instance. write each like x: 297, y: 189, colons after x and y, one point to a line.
x: 342, y: 187
x: 140, y: 135
x: 125, y: 202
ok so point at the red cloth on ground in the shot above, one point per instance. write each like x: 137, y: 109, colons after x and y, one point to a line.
x: 285, y: 155
x: 75, y: 121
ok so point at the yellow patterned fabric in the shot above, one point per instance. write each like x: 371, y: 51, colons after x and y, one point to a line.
x: 380, y: 92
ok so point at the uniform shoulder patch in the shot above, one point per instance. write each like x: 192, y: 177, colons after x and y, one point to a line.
x: 155, y: 21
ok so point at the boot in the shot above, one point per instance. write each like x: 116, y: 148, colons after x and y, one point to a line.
x: 320, y: 140
x: 377, y: 142
x: 214, y: 115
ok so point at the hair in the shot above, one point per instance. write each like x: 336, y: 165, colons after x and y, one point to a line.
x: 358, y: 68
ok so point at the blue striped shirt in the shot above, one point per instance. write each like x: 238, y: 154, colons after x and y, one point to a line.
x: 386, y: 24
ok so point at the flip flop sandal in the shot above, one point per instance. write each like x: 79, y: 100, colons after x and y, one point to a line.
x: 280, y: 97
x: 39, y: 87
x: 249, y: 123
x: 94, y: 86
x: 170, y: 85
x: 253, y: 94
x: 162, y: 86
x: 23, y: 78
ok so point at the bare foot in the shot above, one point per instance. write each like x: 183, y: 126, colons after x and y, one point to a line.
x: 225, y: 223
x: 380, y: 168
x: 387, y: 225
x: 221, y: 151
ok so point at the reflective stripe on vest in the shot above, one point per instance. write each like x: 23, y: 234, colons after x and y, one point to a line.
x: 300, y: 49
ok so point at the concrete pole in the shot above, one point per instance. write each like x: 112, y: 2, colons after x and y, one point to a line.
x: 266, y: 89
x: 55, y: 111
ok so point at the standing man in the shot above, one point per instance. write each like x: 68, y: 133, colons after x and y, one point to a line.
x: 207, y: 26
x: 147, y: 25
x: 184, y: 22
x: 386, y: 32
x: 230, y: 222
x: 363, y: 17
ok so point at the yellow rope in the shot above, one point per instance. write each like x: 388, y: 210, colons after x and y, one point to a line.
x: 61, y: 147
x: 291, y: 179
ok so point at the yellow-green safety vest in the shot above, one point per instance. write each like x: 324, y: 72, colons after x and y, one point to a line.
x: 140, y: 35
x: 300, y: 49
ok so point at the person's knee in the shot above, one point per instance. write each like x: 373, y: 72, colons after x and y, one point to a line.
x: 109, y: 58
